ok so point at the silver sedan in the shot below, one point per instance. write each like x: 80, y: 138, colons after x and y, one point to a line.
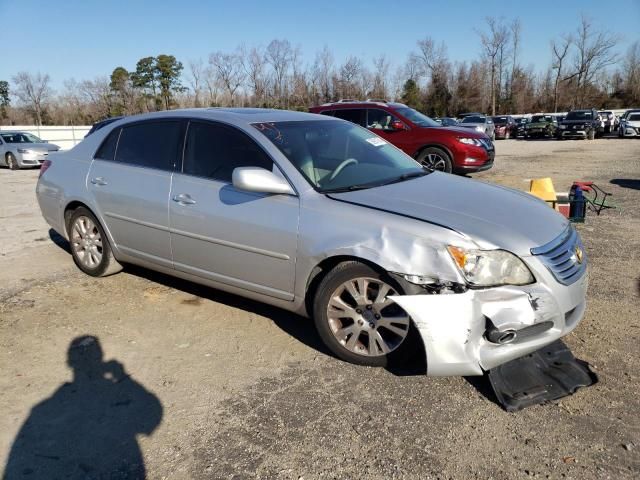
x: 321, y: 217
x: 23, y: 149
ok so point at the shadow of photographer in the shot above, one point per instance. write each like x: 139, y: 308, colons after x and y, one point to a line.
x: 88, y: 427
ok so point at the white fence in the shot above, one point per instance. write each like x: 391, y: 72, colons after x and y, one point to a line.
x: 64, y: 137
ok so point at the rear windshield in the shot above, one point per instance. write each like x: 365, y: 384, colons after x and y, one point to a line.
x: 473, y: 119
x: 579, y: 116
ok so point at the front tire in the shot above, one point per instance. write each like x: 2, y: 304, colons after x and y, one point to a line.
x: 591, y: 135
x: 433, y: 158
x: 90, y: 247
x: 355, y: 318
x: 12, y: 161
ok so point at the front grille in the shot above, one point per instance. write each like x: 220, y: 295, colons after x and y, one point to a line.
x: 561, y: 256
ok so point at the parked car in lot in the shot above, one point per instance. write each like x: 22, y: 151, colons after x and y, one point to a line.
x: 446, y: 121
x: 505, y: 127
x: 479, y: 123
x: 623, y: 120
x: 23, y: 149
x: 522, y: 126
x: 541, y: 126
x: 445, y: 149
x: 609, y: 119
x: 326, y: 219
x: 581, y: 124
x: 630, y: 124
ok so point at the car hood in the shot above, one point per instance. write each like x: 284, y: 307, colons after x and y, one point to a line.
x: 538, y: 124
x: 470, y: 125
x: 491, y: 215
x: 632, y: 123
x: 39, y: 147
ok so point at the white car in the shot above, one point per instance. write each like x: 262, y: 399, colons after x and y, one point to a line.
x: 630, y: 124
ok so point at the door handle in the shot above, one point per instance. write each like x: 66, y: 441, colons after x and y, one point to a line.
x: 184, y: 199
x: 98, y: 181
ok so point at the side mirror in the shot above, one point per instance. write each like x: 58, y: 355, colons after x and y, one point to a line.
x: 398, y: 125
x: 256, y: 179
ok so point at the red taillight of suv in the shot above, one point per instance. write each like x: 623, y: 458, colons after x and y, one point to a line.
x: 43, y: 168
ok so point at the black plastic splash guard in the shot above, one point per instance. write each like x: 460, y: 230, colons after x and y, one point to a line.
x: 542, y: 376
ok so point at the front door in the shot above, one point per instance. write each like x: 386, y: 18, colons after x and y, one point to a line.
x: 242, y: 239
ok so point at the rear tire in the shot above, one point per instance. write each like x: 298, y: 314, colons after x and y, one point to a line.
x: 89, y: 245
x: 351, y: 310
x: 12, y: 162
x: 433, y: 158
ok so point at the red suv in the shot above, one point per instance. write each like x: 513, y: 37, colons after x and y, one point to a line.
x: 448, y: 149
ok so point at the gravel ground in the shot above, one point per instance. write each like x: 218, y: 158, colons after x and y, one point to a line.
x: 223, y: 387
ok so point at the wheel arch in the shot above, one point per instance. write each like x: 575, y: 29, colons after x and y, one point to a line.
x: 442, y: 147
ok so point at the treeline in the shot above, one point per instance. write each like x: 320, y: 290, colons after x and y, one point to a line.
x: 586, y: 69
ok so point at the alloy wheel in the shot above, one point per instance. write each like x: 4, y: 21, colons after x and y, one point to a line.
x: 86, y: 242
x: 364, y: 320
x: 433, y: 161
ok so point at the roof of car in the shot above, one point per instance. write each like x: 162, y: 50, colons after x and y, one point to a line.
x: 234, y: 116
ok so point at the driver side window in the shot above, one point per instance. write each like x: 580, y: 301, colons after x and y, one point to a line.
x: 379, y: 119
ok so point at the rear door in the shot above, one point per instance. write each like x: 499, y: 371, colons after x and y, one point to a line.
x: 130, y: 179
x: 243, y: 239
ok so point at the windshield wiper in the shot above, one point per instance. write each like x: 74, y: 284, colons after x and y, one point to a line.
x: 350, y: 188
x: 407, y: 176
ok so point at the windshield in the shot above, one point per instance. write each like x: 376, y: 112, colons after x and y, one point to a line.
x: 540, y: 118
x: 21, y: 137
x: 473, y: 119
x: 578, y: 116
x: 416, y: 117
x: 339, y: 156
x: 500, y: 120
x: 634, y: 117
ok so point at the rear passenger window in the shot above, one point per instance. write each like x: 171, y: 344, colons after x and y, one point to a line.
x: 108, y: 148
x: 214, y: 151
x: 150, y: 144
x: 354, y: 115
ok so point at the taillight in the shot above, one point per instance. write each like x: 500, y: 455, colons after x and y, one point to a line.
x: 43, y: 168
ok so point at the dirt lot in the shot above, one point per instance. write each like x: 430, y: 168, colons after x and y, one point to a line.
x: 226, y: 388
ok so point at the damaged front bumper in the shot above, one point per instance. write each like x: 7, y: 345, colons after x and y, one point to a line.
x: 460, y: 331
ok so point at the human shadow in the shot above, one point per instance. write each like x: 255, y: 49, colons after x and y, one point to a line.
x: 626, y: 183
x: 87, y: 429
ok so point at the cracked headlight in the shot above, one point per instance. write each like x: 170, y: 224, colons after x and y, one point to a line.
x: 490, y: 268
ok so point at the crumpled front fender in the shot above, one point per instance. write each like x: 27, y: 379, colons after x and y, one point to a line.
x: 453, y: 326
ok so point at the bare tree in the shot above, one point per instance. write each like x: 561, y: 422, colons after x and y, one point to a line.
x: 594, y: 52
x: 323, y: 72
x: 350, y: 72
x: 631, y: 73
x: 228, y: 69
x: 196, y: 79
x: 430, y: 57
x: 559, y: 51
x: 380, y: 77
x: 493, y: 43
x: 34, y: 90
x: 279, y: 55
x: 516, y: 29
x: 253, y: 63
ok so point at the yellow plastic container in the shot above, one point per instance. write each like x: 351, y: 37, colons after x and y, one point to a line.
x: 543, y: 188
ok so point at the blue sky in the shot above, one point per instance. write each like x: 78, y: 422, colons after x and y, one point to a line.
x: 83, y: 39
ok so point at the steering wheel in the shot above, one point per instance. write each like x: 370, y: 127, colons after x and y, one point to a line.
x: 344, y: 164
